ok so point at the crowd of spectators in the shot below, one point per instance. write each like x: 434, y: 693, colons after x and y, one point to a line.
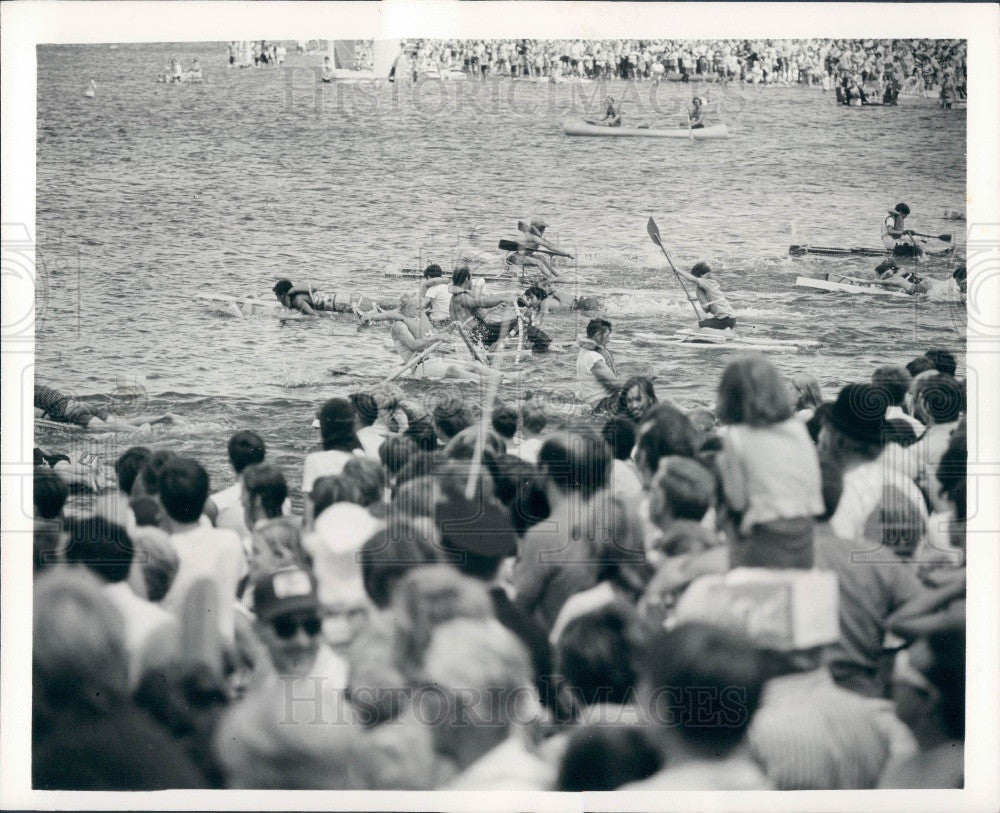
x: 768, y: 594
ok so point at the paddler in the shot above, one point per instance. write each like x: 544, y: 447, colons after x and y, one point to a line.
x: 890, y: 275
x: 411, y: 334
x: 896, y: 236
x: 694, y: 114
x: 466, y: 302
x: 713, y: 302
x: 530, y: 240
x: 435, y: 297
x: 304, y: 300
x: 532, y: 308
x: 596, y: 376
x: 613, y: 115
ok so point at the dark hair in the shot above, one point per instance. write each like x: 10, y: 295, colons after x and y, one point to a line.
x: 596, y: 325
x: 505, y: 420
x: 102, y: 546
x: 330, y: 489
x: 389, y: 555
x: 432, y: 271
x: 421, y: 464
x: 643, y: 383
x: 421, y: 431
x: 282, y: 287
x: 533, y: 416
x: 579, y: 462
x: 395, y: 451
x: 336, y: 426
x: 665, y: 431
x: 598, y: 655
x: 940, y: 397
x: 819, y: 418
x: 147, y: 511
x: 451, y: 415
x: 267, y: 482
x: 367, y: 479
x: 898, y: 430
x: 602, y: 758
x: 894, y: 380
x: 365, y: 406
x: 959, y: 274
x: 705, y: 682
x: 920, y: 364
x: 700, y: 269
x: 50, y: 494
x: 245, y: 448
x: 620, y: 435
x: 460, y: 276
x: 149, y: 476
x: 128, y: 465
x: 536, y: 291
x: 952, y: 473
x: 942, y: 361
x: 183, y: 489
x: 947, y: 675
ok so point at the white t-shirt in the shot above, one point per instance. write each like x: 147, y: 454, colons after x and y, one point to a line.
x: 324, y: 464
x: 143, y: 620
x: 528, y: 449
x: 231, y: 509
x: 440, y: 300
x: 371, y: 438
x: 588, y: 388
x: 862, y: 493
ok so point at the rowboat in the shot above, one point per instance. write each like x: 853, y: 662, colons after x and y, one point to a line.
x: 831, y: 251
x: 579, y: 127
x: 852, y: 285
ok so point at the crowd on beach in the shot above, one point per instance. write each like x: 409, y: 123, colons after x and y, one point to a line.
x: 767, y: 594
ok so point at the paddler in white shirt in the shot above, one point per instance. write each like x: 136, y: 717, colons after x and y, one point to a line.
x: 694, y: 114
x: 713, y: 302
x: 596, y: 375
x: 436, y: 298
x: 896, y: 236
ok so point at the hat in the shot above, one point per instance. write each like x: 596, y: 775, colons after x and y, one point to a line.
x: 284, y: 591
x: 900, y: 209
x: 859, y: 412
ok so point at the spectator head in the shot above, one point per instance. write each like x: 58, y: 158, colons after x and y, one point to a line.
x: 451, y: 415
x: 287, y: 613
x: 394, y: 453
x: 158, y: 561
x: 102, y: 547
x: 421, y: 432
x: 938, y: 399
x: 856, y: 426
x: 331, y: 489
x: 78, y: 654
x: 147, y: 484
x: 337, y: 425
x: 264, y: 492
x: 919, y: 365
x: 603, y: 758
x: 665, y: 431
x: 422, y: 464
x: 619, y: 434
x: 598, y: 655
x: 681, y: 489
x: 504, y: 421
x: 147, y: 511
x: 753, y: 392
x: 895, y: 381
x: 952, y: 475
x: 808, y: 394
x: 898, y: 430
x: 702, y: 685
x: 389, y: 555
x: 636, y: 398
x: 598, y: 329
x: 414, y: 500
x: 50, y: 493
x: 577, y: 463
x: 368, y: 479
x: 365, y: 406
x: 245, y: 448
x: 183, y: 489
x: 128, y: 465
x: 929, y: 686
x: 533, y: 417
x: 942, y: 361
x: 476, y: 671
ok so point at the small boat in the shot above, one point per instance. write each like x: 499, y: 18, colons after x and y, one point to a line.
x: 707, y: 337
x: 579, y: 127
x: 852, y: 285
x: 831, y: 251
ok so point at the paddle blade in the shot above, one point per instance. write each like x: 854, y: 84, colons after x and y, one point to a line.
x: 945, y: 238
x: 654, y: 233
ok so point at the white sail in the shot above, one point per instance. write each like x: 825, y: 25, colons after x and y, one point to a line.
x: 385, y: 55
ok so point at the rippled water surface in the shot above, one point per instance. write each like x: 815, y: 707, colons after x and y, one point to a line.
x: 149, y: 194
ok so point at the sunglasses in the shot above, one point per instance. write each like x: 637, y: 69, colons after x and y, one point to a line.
x: 285, y: 627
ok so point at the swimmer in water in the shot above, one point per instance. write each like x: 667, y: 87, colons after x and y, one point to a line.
x: 52, y: 405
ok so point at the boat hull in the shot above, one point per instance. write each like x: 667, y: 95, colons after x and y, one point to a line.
x: 857, y: 251
x: 841, y: 284
x: 579, y: 127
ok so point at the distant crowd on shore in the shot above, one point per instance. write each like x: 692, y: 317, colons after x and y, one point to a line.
x: 767, y: 594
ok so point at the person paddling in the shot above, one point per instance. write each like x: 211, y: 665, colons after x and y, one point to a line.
x: 613, y: 115
x: 694, y: 114
x: 713, y: 302
x: 896, y: 236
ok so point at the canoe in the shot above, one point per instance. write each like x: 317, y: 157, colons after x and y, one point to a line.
x: 579, y: 127
x: 831, y: 251
x: 853, y: 285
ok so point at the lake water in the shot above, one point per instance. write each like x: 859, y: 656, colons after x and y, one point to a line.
x: 150, y: 193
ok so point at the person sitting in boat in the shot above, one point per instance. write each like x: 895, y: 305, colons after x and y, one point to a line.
x: 466, y: 302
x: 435, y: 296
x: 613, y: 115
x: 694, y: 114
x: 896, y: 236
x: 890, y: 275
x: 411, y: 334
x: 326, y: 72
x: 596, y: 374
x: 193, y: 72
x: 176, y: 72
x: 532, y: 311
x: 52, y: 405
x: 709, y: 293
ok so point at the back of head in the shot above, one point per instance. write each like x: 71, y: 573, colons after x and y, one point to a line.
x: 421, y: 431
x: 433, y: 271
x: 368, y: 479
x: 266, y: 482
x: 50, y: 492
x: 183, y: 489
x: 460, y: 276
x: 245, y: 448
x: 148, y: 481
x: 504, y: 421
x: 389, y: 555
x: 681, y: 489
x: 365, y: 406
x: 128, y: 465
x: 807, y: 390
x: 451, y: 415
x: 157, y: 559
x: 942, y: 361
x: 895, y: 381
x: 603, y: 758
x: 700, y: 269
x: 463, y: 445
x: 752, y: 391
x: 101, y: 546
x: 282, y: 287
x: 597, y: 325
x: 395, y: 451
x: 919, y: 365
x: 331, y: 489
x: 938, y: 399
x: 533, y: 417
x: 337, y: 425
x: 620, y: 436
x: 712, y: 667
x: 665, y: 431
x: 952, y: 473
x: 576, y: 462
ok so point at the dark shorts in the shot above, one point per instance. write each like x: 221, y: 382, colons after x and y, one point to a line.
x: 69, y: 411
x: 718, y: 322
x: 905, y: 250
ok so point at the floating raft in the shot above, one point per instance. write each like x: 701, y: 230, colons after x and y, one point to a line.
x: 832, y: 251
x: 719, y: 340
x: 851, y: 285
x: 336, y: 302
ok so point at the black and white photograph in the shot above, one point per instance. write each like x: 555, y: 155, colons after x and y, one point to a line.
x: 541, y: 401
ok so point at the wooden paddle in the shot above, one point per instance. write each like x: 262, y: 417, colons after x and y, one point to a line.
x: 654, y: 234
x: 944, y: 238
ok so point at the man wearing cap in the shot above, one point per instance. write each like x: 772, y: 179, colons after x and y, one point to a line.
x: 896, y: 237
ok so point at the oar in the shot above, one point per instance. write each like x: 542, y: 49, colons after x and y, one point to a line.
x: 413, y: 362
x: 944, y: 238
x: 513, y: 245
x: 654, y: 234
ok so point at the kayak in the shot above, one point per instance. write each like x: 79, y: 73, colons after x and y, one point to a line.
x: 853, y: 285
x: 831, y: 251
x: 579, y: 127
